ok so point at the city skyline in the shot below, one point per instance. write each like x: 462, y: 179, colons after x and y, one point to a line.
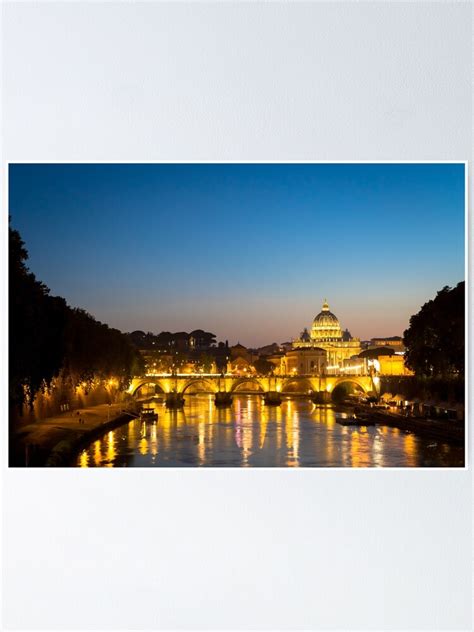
x: 247, y: 251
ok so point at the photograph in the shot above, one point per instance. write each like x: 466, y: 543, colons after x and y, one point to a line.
x: 237, y: 333
x: 237, y: 315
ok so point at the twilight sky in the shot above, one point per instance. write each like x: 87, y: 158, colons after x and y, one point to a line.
x: 248, y: 252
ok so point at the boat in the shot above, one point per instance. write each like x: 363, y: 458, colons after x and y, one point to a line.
x: 356, y: 420
x: 148, y: 414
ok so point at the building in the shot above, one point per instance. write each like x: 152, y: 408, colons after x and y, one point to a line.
x: 393, y: 365
x: 326, y: 334
x: 276, y: 360
x: 386, y: 356
x: 239, y: 351
x: 303, y: 361
x: 240, y: 366
x: 393, y: 342
x: 385, y: 361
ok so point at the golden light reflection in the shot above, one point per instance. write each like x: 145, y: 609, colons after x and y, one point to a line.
x: 330, y: 418
x: 292, y: 434
x: 355, y: 449
x: 97, y: 453
x: 365, y: 441
x: 409, y: 447
x: 279, y: 427
x: 202, y: 441
x: 84, y: 459
x: 377, y: 449
x: 154, y: 440
x: 249, y: 433
x: 263, y: 425
x: 110, y: 448
x: 131, y: 432
x: 296, y: 436
x: 330, y: 421
x: 288, y: 430
x: 238, y: 422
x: 210, y: 424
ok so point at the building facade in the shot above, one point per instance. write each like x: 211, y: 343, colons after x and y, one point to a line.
x: 304, y: 361
x: 392, y: 342
x: 326, y: 334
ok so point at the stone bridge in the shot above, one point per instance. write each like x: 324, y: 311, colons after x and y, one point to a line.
x: 301, y: 384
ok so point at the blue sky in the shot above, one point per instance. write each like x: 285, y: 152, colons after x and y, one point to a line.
x: 246, y: 251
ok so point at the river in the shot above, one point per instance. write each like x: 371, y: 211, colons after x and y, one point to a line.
x: 250, y: 434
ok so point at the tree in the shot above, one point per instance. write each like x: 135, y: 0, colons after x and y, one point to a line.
x: 48, y: 338
x: 37, y: 322
x: 434, y: 341
x: 206, y: 361
x: 263, y: 366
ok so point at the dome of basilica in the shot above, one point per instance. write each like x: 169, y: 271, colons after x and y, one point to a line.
x: 326, y: 325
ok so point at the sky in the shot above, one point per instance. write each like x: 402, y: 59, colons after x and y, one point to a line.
x: 247, y: 251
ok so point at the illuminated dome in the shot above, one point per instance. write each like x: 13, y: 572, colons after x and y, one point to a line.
x: 326, y: 325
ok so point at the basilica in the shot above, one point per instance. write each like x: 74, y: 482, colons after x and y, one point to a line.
x: 324, y: 347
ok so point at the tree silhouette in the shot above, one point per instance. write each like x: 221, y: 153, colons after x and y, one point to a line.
x: 37, y: 323
x: 434, y: 341
x: 263, y: 366
x: 48, y: 338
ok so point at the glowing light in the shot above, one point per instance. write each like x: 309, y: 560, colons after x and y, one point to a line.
x: 143, y: 446
x: 97, y: 453
x: 110, y: 449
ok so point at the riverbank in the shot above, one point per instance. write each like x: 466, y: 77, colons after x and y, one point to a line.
x: 449, y: 431
x: 53, y: 441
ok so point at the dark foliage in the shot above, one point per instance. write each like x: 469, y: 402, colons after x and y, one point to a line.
x: 37, y: 327
x: 434, y: 341
x: 196, y: 340
x: 263, y: 367
x: 375, y: 353
x: 47, y: 337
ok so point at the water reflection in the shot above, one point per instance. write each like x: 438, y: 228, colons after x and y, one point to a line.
x: 250, y: 434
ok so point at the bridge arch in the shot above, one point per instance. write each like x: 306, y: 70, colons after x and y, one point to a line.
x: 210, y: 387
x: 347, y: 385
x: 148, y: 382
x: 247, y: 380
x: 362, y: 382
x: 303, y: 384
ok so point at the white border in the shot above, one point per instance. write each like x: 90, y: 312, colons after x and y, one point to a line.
x: 292, y: 162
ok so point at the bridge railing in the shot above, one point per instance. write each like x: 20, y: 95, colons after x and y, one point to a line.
x: 187, y: 376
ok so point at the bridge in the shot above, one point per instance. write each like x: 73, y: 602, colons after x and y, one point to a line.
x: 255, y: 384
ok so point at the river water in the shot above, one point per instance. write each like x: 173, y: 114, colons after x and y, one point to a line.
x: 250, y: 434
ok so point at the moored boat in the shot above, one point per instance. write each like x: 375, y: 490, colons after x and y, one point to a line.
x: 356, y: 420
x: 148, y: 414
